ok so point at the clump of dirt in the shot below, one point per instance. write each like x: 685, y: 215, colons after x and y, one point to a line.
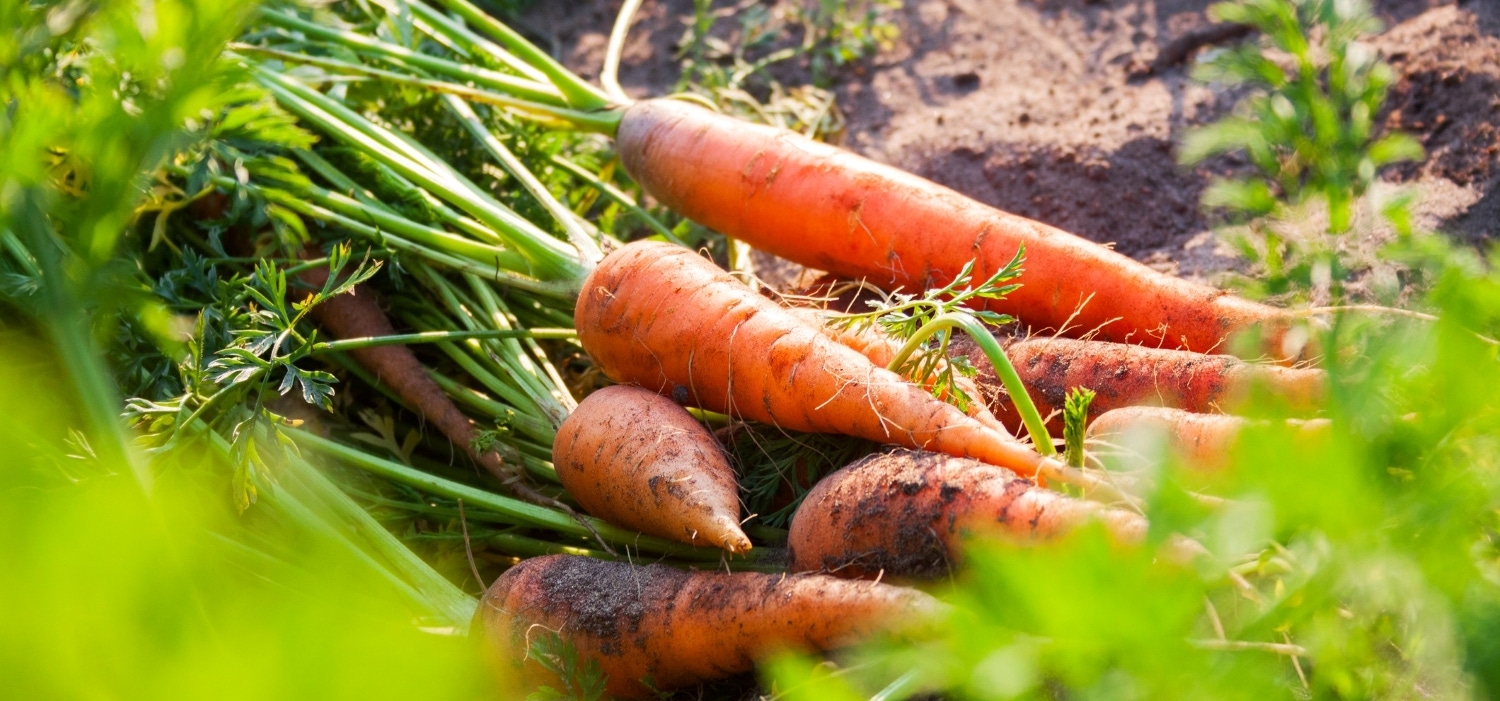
x: 1050, y: 109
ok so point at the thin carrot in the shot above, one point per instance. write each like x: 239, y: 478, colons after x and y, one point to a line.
x: 662, y: 317
x: 904, y: 514
x: 634, y: 458
x: 1129, y: 375
x: 1202, y: 442
x: 830, y: 209
x: 658, y: 628
x: 359, y: 315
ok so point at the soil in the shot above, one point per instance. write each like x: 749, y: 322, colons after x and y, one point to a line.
x: 1051, y: 109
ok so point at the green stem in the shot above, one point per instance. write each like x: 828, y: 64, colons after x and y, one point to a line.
x: 617, y: 196
x: 349, y: 344
x: 596, y: 123
x: 456, y: 32
x: 579, y: 94
x: 588, y: 249
x: 526, y: 89
x: 553, y: 259
x: 1006, y: 372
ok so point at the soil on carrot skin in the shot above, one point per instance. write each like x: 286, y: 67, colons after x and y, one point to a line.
x: 1047, y: 108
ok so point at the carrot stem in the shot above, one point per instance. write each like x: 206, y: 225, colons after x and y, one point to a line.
x: 617, y: 196
x: 579, y: 94
x: 529, y: 109
x: 526, y: 89
x: 1003, y: 369
x: 349, y: 344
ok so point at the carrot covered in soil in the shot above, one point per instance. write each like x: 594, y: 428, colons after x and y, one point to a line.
x: 662, y: 317
x: 1200, y: 441
x: 904, y: 514
x: 676, y: 628
x: 634, y: 458
x: 830, y: 209
x: 1129, y: 375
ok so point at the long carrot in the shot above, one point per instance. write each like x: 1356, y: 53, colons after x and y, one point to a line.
x: 668, y: 628
x: 662, y: 317
x: 634, y: 458
x: 904, y: 514
x: 830, y: 209
x: 1129, y: 375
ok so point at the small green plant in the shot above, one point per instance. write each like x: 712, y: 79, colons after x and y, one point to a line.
x: 1307, y: 129
x: 1075, y: 423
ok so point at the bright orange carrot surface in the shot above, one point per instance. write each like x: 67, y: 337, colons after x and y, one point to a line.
x: 830, y: 209
x: 664, y: 318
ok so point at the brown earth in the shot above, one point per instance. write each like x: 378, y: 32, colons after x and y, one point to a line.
x: 1047, y: 108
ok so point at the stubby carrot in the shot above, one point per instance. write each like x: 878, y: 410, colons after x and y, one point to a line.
x: 671, y: 628
x: 634, y: 458
x: 664, y: 318
x: 830, y: 209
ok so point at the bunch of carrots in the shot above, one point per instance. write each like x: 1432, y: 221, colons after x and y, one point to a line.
x: 685, y: 344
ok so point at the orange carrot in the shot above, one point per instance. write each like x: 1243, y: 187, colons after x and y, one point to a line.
x: 662, y: 317
x: 633, y: 458
x: 673, y: 628
x: 1199, y: 441
x: 1130, y: 375
x: 830, y: 209
x: 903, y: 514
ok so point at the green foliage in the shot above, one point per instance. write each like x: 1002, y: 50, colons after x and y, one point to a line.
x: 1075, y: 423
x: 1307, y: 128
x: 907, y: 318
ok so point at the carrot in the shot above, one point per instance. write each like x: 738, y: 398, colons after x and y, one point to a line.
x: 830, y: 209
x: 904, y: 514
x: 1130, y: 375
x: 633, y: 458
x: 662, y: 317
x: 359, y: 315
x: 676, y: 628
x: 1200, y: 441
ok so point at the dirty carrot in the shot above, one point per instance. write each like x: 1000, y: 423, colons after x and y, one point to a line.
x: 669, y: 628
x: 634, y: 458
x: 905, y: 513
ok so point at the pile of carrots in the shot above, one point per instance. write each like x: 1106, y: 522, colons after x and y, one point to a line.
x: 674, y: 332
